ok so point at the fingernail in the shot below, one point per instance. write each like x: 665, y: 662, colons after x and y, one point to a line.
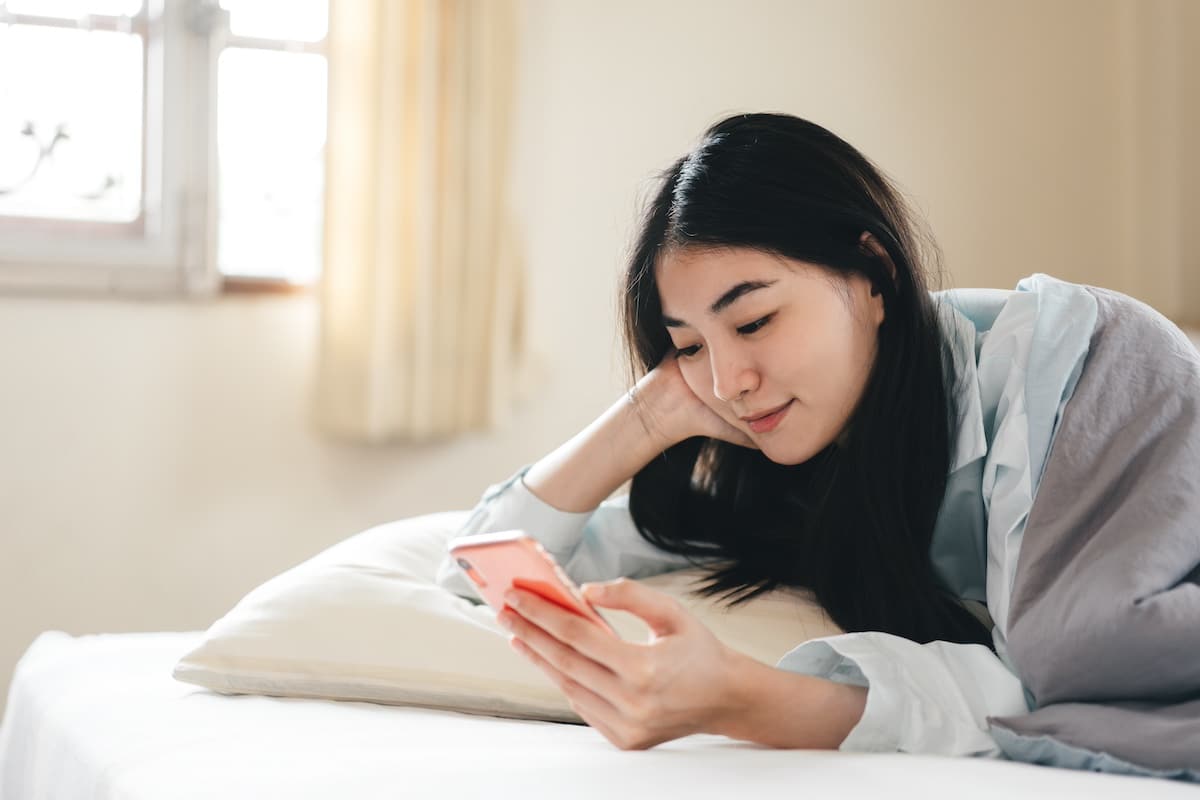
x: 505, y: 622
x: 512, y: 599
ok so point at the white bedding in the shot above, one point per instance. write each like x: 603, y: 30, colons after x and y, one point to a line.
x: 100, y: 717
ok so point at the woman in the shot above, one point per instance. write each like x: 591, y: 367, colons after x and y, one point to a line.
x: 809, y: 415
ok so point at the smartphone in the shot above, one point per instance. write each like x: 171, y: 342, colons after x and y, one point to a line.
x: 496, y: 561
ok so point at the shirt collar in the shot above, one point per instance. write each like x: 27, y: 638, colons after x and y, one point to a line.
x: 962, y: 387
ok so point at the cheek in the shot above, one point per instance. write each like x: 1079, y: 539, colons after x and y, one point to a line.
x: 859, y: 355
x: 830, y: 362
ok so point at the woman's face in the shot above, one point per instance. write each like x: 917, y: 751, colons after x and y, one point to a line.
x: 758, y: 333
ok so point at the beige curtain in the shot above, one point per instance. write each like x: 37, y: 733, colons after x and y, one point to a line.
x: 421, y: 295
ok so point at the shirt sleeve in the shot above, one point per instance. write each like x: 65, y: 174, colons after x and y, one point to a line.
x: 930, y: 698
x: 598, y: 545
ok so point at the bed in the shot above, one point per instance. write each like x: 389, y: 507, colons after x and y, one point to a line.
x: 101, y: 717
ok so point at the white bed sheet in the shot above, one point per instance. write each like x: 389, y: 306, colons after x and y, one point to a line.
x: 100, y: 717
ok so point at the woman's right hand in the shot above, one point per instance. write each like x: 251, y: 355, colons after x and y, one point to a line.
x: 672, y: 412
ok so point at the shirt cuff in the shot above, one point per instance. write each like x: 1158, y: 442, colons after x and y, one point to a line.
x: 931, y: 698
x: 875, y: 731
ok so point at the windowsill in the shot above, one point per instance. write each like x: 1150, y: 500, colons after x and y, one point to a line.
x: 261, y: 286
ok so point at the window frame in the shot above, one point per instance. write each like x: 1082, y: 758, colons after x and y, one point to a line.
x: 176, y: 253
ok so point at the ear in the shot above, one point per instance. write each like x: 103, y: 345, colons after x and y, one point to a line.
x: 872, y: 246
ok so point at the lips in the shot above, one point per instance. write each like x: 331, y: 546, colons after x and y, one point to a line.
x: 769, y: 420
x: 767, y: 413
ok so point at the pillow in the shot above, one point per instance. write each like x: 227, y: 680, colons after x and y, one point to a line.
x: 364, y: 620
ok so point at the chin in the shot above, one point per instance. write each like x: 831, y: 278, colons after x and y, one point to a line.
x: 790, y: 456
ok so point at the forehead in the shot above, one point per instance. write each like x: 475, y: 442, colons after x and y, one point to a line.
x: 680, y: 268
x: 691, y: 279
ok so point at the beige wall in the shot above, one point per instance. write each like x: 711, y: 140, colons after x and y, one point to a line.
x: 155, y: 458
x: 1189, y: 119
x: 1151, y: 99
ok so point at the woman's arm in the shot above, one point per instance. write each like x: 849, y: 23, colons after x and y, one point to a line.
x: 659, y: 412
x: 596, y: 543
x: 784, y: 709
x: 858, y: 692
x: 590, y: 466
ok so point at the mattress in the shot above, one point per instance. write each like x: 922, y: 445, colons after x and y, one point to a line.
x: 100, y: 717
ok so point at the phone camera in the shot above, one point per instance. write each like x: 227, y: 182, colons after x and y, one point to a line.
x: 475, y: 577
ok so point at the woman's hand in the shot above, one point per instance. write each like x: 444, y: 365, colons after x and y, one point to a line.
x: 671, y: 410
x: 682, y: 681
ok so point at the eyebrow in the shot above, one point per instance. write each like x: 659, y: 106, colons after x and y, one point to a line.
x: 724, y: 301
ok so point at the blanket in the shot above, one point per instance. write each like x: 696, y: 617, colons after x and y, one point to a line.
x: 1104, y: 623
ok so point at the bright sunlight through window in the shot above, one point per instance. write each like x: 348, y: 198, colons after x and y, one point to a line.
x: 76, y: 134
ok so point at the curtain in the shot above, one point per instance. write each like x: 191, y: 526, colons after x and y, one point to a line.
x: 420, y: 298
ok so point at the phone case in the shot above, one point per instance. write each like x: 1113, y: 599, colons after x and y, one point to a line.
x: 495, y: 561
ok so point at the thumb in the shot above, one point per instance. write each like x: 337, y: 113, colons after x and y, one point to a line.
x: 660, y: 611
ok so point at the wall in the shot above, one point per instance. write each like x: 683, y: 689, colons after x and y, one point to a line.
x: 1189, y: 167
x: 155, y: 457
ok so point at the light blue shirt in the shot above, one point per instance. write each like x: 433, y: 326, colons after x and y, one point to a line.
x: 1017, y: 357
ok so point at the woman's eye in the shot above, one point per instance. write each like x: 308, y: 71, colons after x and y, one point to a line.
x: 753, y: 326
x: 687, y: 352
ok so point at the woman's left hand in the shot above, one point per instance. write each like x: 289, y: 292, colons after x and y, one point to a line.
x: 680, y: 682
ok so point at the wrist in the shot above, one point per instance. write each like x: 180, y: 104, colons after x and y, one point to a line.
x: 740, y: 698
x: 649, y: 402
x: 579, y: 474
x: 644, y: 431
x: 778, y: 708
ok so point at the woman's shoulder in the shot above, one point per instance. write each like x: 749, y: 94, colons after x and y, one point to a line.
x: 1042, y: 326
x: 1019, y: 350
x: 1038, y: 299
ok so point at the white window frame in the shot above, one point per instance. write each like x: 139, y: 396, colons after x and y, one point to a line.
x: 176, y: 253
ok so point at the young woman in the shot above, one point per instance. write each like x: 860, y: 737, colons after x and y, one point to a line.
x: 806, y: 413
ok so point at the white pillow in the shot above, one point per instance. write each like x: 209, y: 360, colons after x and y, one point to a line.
x: 364, y: 620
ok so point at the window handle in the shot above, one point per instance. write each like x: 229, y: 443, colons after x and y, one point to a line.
x: 204, y: 17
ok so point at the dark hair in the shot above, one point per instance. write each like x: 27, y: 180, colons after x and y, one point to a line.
x: 854, y: 523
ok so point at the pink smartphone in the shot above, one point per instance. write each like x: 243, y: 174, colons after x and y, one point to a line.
x: 496, y: 561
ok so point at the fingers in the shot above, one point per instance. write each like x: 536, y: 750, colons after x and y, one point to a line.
x: 661, y: 612
x: 624, y: 702
x: 582, y: 634
x: 557, y: 644
x: 734, y: 435
x: 594, y: 709
x: 576, y: 692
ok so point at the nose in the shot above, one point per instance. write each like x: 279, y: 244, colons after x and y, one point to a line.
x: 732, y: 376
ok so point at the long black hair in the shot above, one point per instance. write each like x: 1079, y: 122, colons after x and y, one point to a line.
x: 853, y: 524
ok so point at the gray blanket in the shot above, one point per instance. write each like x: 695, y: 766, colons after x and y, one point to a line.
x: 1104, y: 626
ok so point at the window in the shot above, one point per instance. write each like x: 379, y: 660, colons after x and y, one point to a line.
x: 271, y: 90
x: 161, y: 145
